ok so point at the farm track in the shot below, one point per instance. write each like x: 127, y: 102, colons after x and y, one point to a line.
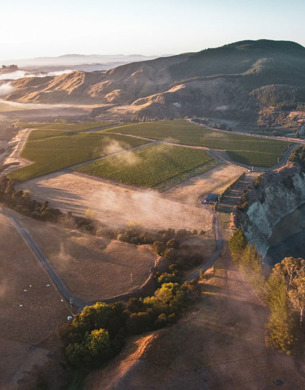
x: 219, y: 154
x: 72, y: 167
x: 219, y: 247
x: 272, y: 137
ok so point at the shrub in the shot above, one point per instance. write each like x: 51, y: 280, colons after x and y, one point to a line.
x: 94, y: 350
x: 168, y: 278
x: 159, y: 247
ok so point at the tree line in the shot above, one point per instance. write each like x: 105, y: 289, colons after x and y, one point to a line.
x: 99, y: 332
x: 283, y: 290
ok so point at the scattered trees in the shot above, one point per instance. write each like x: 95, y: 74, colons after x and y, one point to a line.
x: 22, y: 202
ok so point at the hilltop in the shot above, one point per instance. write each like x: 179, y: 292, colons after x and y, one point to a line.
x: 235, y: 81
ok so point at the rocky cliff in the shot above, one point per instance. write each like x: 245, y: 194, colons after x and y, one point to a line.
x: 274, y: 195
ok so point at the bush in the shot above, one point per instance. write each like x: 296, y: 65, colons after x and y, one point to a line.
x: 159, y: 247
x: 168, y: 278
x: 161, y: 321
x: 135, y: 305
x: 172, y: 243
x: 138, y: 322
x: 94, y: 350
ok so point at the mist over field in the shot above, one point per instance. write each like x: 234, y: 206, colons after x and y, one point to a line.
x: 89, y: 216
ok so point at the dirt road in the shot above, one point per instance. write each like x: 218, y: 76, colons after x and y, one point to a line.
x: 219, y: 246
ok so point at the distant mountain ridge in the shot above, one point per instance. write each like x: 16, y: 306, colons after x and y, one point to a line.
x: 233, y: 81
x: 76, y: 62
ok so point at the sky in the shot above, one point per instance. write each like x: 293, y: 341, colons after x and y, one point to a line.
x: 32, y: 28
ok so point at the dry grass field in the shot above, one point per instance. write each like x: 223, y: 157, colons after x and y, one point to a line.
x: 214, y: 181
x: 23, y: 327
x: 117, y: 205
x: 93, y: 268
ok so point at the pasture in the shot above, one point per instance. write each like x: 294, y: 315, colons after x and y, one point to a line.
x: 244, y: 149
x: 52, y: 150
x: 155, y: 166
x: 93, y: 268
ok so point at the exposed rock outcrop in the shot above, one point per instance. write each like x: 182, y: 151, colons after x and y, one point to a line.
x: 274, y: 195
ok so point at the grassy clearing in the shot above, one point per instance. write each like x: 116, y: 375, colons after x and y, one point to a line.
x: 52, y: 150
x: 153, y: 166
x: 64, y: 126
x: 241, y: 148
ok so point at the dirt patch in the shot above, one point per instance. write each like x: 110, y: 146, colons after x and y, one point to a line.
x: 30, y: 310
x: 214, y: 181
x: 115, y: 204
x: 15, y: 147
x: 16, y: 360
x: 93, y: 268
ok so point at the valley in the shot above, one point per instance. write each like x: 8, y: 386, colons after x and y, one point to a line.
x: 107, y: 172
x: 111, y: 267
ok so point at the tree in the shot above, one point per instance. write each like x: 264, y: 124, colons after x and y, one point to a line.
x: 251, y: 259
x: 139, y: 322
x: 98, y: 344
x: 237, y: 245
x: 289, y: 269
x: 281, y: 325
x: 297, y: 296
x: 159, y: 247
x: 92, y: 351
x: 168, y: 278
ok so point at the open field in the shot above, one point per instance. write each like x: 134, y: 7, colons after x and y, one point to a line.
x: 23, y: 327
x: 93, y: 268
x: 51, y: 150
x: 117, y: 205
x: 244, y: 149
x: 154, y: 166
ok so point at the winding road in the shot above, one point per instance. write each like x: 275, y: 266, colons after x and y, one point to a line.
x: 219, y: 155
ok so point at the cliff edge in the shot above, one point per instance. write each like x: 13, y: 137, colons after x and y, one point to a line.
x: 274, y: 195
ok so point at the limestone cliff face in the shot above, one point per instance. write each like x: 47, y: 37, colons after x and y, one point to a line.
x: 277, y: 194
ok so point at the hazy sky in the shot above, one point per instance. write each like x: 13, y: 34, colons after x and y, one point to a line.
x: 32, y: 28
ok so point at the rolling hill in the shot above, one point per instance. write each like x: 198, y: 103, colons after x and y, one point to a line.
x: 233, y: 81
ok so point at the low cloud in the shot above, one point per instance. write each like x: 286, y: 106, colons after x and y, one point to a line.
x: 19, y: 74
x: 118, y: 150
x: 6, y: 89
